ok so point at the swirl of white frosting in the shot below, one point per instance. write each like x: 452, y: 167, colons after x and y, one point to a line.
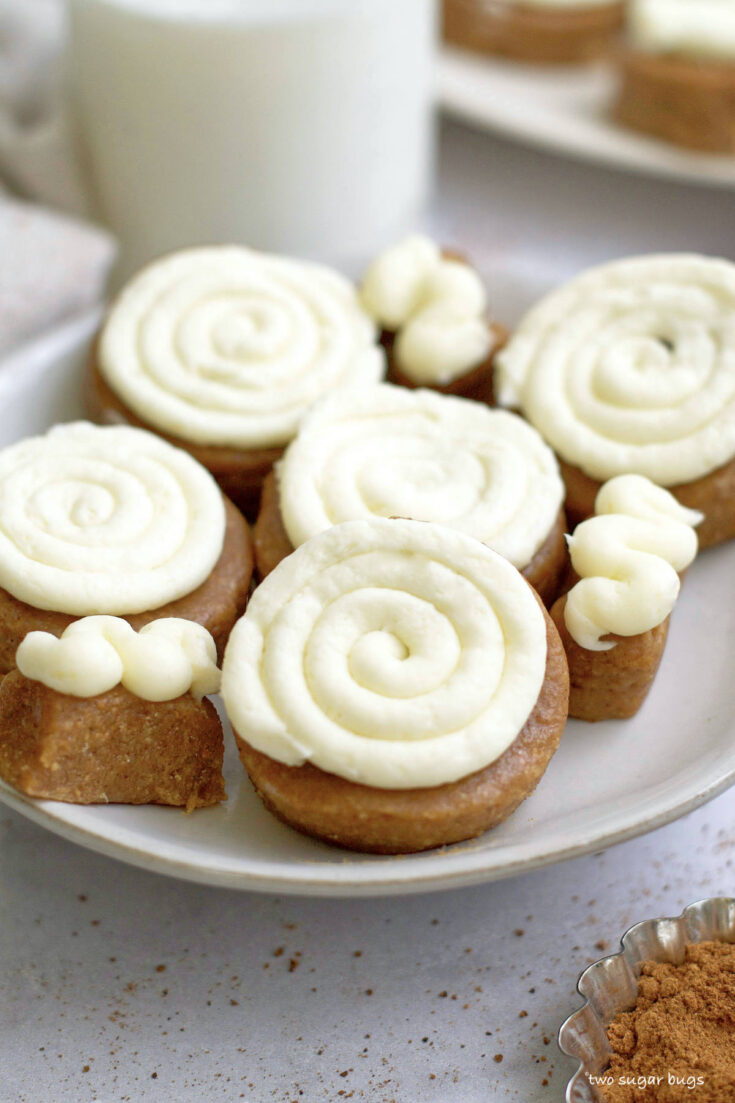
x: 165, y: 659
x: 393, y: 452
x: 105, y: 520
x: 436, y: 308
x: 705, y: 29
x: 631, y: 367
x: 397, y: 654
x: 226, y: 346
x: 628, y: 556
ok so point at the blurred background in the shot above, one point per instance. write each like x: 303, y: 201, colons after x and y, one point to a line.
x: 567, y: 133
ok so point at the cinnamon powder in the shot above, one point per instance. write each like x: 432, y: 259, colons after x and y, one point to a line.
x: 678, y: 1043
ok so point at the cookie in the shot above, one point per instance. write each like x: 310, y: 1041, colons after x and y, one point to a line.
x: 223, y: 349
x: 394, y: 686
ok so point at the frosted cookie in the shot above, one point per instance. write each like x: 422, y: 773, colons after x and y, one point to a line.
x: 392, y: 452
x: 432, y: 310
x: 107, y: 715
x: 631, y: 368
x: 222, y: 350
x: 544, y: 31
x: 394, y: 686
x: 678, y: 73
x: 614, y: 621
x: 114, y: 520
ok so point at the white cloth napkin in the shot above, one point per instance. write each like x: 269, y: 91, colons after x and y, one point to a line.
x: 52, y: 266
x: 37, y: 150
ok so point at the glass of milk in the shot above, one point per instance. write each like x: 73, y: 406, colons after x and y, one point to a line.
x: 297, y: 126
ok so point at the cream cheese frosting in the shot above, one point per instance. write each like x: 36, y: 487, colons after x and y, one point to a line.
x: 628, y: 557
x: 105, y: 520
x: 435, y: 306
x: 165, y: 659
x: 396, y: 654
x: 227, y: 346
x: 702, y: 29
x: 631, y: 367
x: 393, y: 452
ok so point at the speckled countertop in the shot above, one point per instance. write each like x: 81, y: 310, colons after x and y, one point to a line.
x: 120, y: 985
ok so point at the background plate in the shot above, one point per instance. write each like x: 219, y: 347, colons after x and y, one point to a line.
x: 606, y: 783
x: 565, y: 110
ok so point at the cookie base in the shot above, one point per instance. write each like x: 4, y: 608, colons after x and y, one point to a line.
x: 527, y: 33
x: 610, y: 685
x: 387, y: 821
x: 690, y: 103
x: 216, y: 604
x: 110, y: 749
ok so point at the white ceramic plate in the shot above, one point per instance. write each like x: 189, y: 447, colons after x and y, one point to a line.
x: 565, y: 110
x: 606, y: 783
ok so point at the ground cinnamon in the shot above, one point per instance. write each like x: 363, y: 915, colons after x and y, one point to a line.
x: 678, y: 1043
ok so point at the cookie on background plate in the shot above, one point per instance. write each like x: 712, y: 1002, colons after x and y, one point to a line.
x: 432, y: 310
x: 537, y: 31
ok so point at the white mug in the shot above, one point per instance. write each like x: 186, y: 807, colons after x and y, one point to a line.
x: 298, y: 126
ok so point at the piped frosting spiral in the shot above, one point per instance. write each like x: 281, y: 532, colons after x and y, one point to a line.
x: 227, y: 346
x: 393, y: 452
x: 165, y: 659
x: 628, y: 557
x: 105, y: 520
x: 397, y: 654
x: 435, y: 306
x: 631, y: 367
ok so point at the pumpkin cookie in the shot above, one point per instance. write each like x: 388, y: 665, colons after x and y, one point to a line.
x: 222, y: 350
x: 537, y: 31
x: 114, y: 520
x: 615, y: 619
x: 629, y: 368
x: 395, y: 686
x: 107, y: 715
x: 678, y: 73
x: 432, y: 309
x: 389, y: 452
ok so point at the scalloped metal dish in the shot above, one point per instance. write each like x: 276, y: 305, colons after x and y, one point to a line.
x: 611, y: 984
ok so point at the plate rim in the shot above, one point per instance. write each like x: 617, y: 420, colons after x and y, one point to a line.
x: 456, y: 71
x: 353, y: 881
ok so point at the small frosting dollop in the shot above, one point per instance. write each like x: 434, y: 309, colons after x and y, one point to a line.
x: 105, y: 520
x: 702, y: 29
x: 165, y: 659
x: 393, y: 452
x: 631, y: 367
x: 393, y: 653
x: 228, y: 346
x: 628, y: 557
x: 435, y: 306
